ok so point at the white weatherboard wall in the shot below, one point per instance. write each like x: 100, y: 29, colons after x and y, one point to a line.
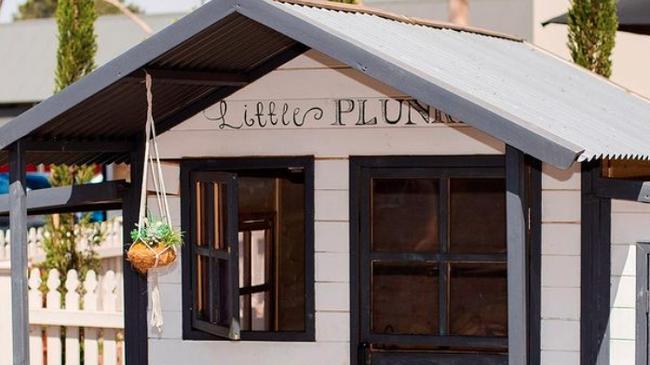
x: 309, y: 78
x: 560, y: 266
x: 629, y: 226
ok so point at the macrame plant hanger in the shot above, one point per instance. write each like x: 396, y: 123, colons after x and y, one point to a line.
x: 152, y: 165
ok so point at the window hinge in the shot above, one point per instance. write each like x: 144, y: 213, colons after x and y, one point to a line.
x: 529, y: 219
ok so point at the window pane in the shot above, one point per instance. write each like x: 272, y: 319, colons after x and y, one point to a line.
x: 244, y: 277
x: 245, y: 312
x: 199, y: 222
x: 202, y: 287
x: 259, y: 310
x: 272, y: 248
x: 218, y: 205
x: 258, y: 256
x: 404, y: 215
x: 478, y: 300
x: 477, y: 216
x: 404, y: 298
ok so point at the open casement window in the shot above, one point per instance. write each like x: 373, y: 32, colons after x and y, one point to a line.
x: 215, y: 254
x: 248, y: 268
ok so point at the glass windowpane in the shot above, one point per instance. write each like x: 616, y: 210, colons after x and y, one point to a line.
x: 404, y: 215
x: 258, y: 256
x: 202, y: 289
x: 478, y: 300
x: 404, y: 298
x: 477, y: 216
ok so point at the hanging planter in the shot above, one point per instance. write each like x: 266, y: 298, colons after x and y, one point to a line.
x: 154, y: 245
x: 155, y: 241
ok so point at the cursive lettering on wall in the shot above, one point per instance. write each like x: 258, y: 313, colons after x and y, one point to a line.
x: 324, y: 113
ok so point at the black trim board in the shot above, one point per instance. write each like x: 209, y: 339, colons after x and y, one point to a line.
x: 135, y: 285
x: 238, y: 164
x: 534, y: 297
x: 595, y: 269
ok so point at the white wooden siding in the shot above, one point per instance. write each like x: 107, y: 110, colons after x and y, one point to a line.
x: 560, y: 266
x: 305, y: 77
x: 629, y: 226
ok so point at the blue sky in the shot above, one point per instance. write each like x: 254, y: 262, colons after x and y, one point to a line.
x: 9, y: 7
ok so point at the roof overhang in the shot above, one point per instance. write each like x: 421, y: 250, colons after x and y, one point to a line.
x: 225, y: 44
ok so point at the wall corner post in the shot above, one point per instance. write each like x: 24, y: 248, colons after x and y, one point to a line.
x: 516, y: 213
x: 18, y: 228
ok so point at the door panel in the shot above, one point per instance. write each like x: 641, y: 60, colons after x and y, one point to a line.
x: 432, y: 266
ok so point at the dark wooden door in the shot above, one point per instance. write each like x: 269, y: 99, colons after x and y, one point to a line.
x: 431, y: 272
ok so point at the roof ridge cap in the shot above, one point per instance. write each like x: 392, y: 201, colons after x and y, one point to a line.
x: 354, y: 8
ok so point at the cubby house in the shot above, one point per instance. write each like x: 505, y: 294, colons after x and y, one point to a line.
x: 357, y: 187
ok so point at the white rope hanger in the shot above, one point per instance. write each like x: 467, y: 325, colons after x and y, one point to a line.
x: 152, y: 166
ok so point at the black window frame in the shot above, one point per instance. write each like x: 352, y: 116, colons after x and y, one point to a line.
x: 235, y: 164
x: 359, y: 166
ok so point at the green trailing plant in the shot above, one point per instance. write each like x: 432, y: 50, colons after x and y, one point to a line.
x: 592, y: 34
x: 156, y: 232
x: 33, y: 9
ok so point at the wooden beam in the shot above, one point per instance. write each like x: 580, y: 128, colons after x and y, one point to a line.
x: 75, y: 198
x: 185, y: 77
x: 517, y: 257
x: 634, y: 190
x: 71, y: 145
x: 16, y: 204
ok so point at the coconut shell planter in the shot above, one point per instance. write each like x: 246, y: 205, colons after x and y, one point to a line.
x: 154, y: 245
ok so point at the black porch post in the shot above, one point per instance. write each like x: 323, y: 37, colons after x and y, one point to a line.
x: 18, y: 228
x: 135, y: 285
x: 517, y: 257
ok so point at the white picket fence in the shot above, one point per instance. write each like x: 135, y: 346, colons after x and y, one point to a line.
x: 84, y: 328
x: 87, y: 326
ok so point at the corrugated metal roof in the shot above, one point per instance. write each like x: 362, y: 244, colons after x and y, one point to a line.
x: 509, y: 89
x: 29, y: 52
x: 532, y: 88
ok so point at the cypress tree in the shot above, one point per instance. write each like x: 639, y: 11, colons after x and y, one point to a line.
x: 592, y: 34
x: 75, y: 58
x: 33, y: 9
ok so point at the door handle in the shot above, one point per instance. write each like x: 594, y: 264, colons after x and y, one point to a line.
x: 363, y: 353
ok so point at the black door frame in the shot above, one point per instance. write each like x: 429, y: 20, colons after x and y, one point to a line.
x: 533, y: 201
